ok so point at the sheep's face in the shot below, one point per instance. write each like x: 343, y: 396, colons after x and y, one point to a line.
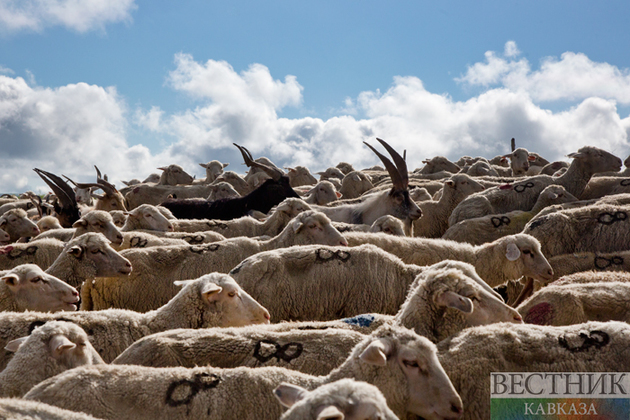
x: 293, y: 206
x: 324, y: 193
x: 524, y: 251
x: 315, y: 228
x: 103, y: 258
x: 431, y: 394
x: 100, y: 222
x: 149, y: 217
x: 388, y: 224
x: 174, y: 175
x: 464, y: 185
x: 230, y: 303
x: 519, y: 161
x: 35, y: 290
x: 597, y: 160
x: 17, y: 224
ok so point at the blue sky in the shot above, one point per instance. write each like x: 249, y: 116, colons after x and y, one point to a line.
x: 131, y: 85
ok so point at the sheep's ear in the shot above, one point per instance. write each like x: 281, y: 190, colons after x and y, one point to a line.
x: 225, y: 165
x: 575, y: 155
x: 76, y: 251
x: 80, y: 223
x: 320, y: 173
x: 3, y: 221
x: 330, y: 413
x: 162, y: 169
x: 531, y: 158
x: 376, y: 353
x: 450, y: 183
x: 338, y: 194
x: 211, y: 291
x: 11, y: 280
x: 297, y: 226
x: 60, y: 344
x: 289, y: 394
x: 512, y: 253
x: 453, y: 300
x: 182, y: 283
x: 13, y: 345
x: 203, y: 165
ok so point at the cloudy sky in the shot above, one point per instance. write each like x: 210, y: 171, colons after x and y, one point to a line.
x: 131, y: 85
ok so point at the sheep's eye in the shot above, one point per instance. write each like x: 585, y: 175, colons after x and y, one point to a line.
x: 36, y: 279
x: 527, y: 251
x: 96, y: 251
x: 82, y: 344
x: 411, y: 363
x: 232, y: 294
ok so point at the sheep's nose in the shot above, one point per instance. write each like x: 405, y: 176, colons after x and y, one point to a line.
x: 343, y: 242
x: 75, y: 293
x: 170, y: 228
x: 518, y: 318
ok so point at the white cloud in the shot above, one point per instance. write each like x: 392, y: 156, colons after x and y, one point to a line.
x: 78, y: 15
x: 68, y: 129
x: 5, y: 70
x: 573, y: 77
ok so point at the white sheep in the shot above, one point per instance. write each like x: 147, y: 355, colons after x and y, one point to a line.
x: 28, y: 288
x: 386, y: 224
x: 151, y: 283
x: 472, y: 355
x: 595, y: 228
x: 42, y: 252
x: 247, y: 226
x: 330, y: 173
x: 193, y: 238
x: 174, y: 175
x: 566, y: 264
x: 234, y: 179
x: 93, y: 221
x: 137, y: 239
x: 214, y: 168
x: 575, y: 303
x: 522, y: 194
x: 599, y: 187
x: 592, y: 277
x: 437, y: 164
x: 345, y: 399
x: 16, y: 223
x: 299, y: 176
x: 479, y: 230
x: 510, y: 257
x: 434, y: 220
x: 47, y: 223
x: 146, y: 216
x: 354, y: 184
x: 213, y: 300
x: 345, y: 167
x: 118, y: 217
x: 401, y: 364
x: 322, y: 193
x: 420, y: 194
x: 49, y: 350
x: 222, y: 190
x: 24, y: 204
x: 20, y: 409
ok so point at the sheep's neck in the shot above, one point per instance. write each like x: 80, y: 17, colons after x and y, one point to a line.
x: 576, y: 177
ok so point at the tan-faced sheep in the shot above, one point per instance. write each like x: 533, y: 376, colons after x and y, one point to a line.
x: 49, y: 350
x: 345, y: 399
x: 16, y: 223
x: 354, y: 184
x: 434, y: 220
x: 401, y: 364
x: 471, y: 356
x: 480, y: 230
x: 213, y: 300
x: 247, y: 226
x: 522, y: 195
x: 437, y: 164
x: 151, y: 283
x: 174, y: 175
x: 94, y: 221
x: 47, y: 223
x: 222, y: 190
x: 322, y: 193
x: 214, y: 168
x: 299, y: 176
x: 147, y: 216
x: 510, y: 257
x: 28, y: 288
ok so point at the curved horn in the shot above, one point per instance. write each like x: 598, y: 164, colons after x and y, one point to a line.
x: 401, y: 165
x: 69, y: 180
x: 98, y: 173
x: 274, y: 173
x: 393, y: 171
x: 61, y: 189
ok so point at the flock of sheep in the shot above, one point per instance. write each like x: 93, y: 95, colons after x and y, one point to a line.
x: 367, y: 294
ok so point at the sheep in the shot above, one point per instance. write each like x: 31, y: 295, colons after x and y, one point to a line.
x: 240, y: 185
x: 138, y: 239
x: 307, y: 351
x: 150, y: 285
x: 592, y: 277
x: 192, y: 238
x: 16, y: 223
x: 434, y: 220
x: 28, y: 288
x: 420, y: 194
x: 47, y: 223
x: 214, y: 168
x: 344, y: 167
x: 322, y: 193
x: 480, y: 168
x: 553, y: 167
x: 256, y: 180
x: 247, y: 226
x: 146, y: 216
x: 599, y: 187
x: 472, y: 355
x: 19, y: 409
x: 330, y: 173
x: 24, y: 204
x: 42, y: 252
x: 49, y: 350
x: 401, y: 364
x: 519, y: 161
x: 155, y: 194
x: 565, y: 264
x: 222, y: 190
x: 86, y: 257
x: 595, y: 228
x: 480, y: 230
x: 95, y: 221
x: 66, y: 207
x: 174, y: 175
x: 5, y: 238
x: 575, y: 303
x: 522, y: 195
x: 112, y: 199
x: 386, y: 224
x: 118, y: 217
x: 354, y: 184
x: 213, y: 300
x: 300, y: 175
x: 344, y: 399
x: 437, y: 164
x: 496, y: 262
x: 270, y: 193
